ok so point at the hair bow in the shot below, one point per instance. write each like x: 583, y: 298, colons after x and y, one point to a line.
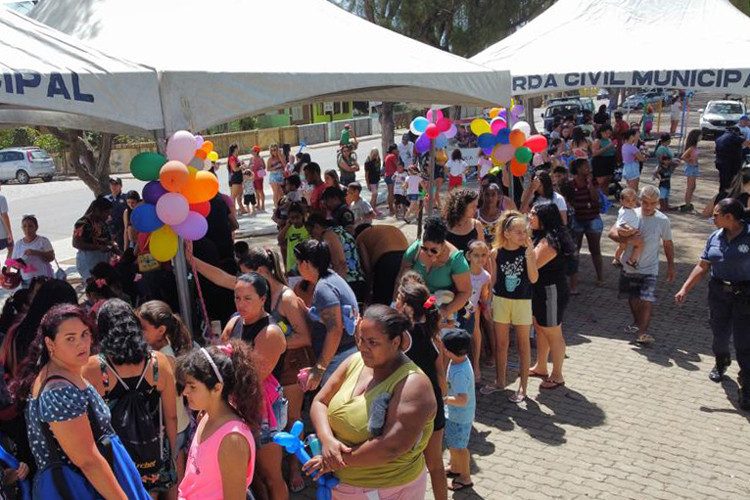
x: 101, y: 283
x: 225, y: 349
x: 430, y: 302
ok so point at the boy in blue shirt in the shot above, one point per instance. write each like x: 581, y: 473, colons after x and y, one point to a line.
x: 460, y: 406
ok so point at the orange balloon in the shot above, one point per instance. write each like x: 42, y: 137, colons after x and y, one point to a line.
x: 517, y: 138
x: 207, y: 146
x: 199, y: 153
x: 517, y: 168
x: 174, y: 175
x: 201, y: 187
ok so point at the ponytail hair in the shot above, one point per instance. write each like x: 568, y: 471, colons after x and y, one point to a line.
x: 258, y: 257
x: 158, y: 314
x: 235, y: 363
x: 417, y: 296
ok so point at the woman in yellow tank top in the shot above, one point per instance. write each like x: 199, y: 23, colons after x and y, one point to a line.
x: 374, y: 416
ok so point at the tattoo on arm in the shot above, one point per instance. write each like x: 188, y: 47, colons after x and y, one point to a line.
x: 331, y: 318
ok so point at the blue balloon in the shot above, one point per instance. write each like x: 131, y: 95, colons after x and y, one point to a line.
x: 487, y: 151
x: 441, y: 141
x: 144, y: 218
x: 485, y: 141
x: 503, y: 136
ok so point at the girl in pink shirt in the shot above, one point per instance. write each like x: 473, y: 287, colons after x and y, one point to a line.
x: 222, y: 383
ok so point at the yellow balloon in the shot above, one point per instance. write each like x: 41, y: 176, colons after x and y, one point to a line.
x: 192, y: 171
x: 494, y: 112
x: 163, y: 244
x: 479, y: 127
x: 213, y: 156
x: 497, y: 163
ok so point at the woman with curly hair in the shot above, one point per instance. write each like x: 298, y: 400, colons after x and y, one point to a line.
x: 459, y: 213
x: 223, y: 383
x: 126, y: 363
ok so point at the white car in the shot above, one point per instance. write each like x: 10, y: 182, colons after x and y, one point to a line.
x: 23, y: 164
x: 719, y: 115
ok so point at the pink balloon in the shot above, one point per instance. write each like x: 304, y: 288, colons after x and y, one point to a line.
x: 444, y: 124
x: 496, y: 124
x: 194, y: 227
x: 503, y: 152
x: 172, y: 208
x: 181, y: 147
x: 451, y: 132
x: 434, y: 116
x: 432, y: 131
x: 199, y: 141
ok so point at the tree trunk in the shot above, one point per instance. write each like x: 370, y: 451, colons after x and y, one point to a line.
x: 387, y: 127
x: 92, y: 169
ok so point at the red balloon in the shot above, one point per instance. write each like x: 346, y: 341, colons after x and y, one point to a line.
x: 517, y: 168
x: 432, y: 131
x: 536, y: 143
x: 443, y: 124
x: 203, y: 208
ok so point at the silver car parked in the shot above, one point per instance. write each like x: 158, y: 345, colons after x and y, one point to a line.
x: 24, y: 164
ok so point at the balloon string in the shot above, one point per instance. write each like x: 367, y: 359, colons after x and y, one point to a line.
x: 206, y: 318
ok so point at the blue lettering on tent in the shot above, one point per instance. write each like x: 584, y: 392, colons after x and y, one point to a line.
x: 732, y: 76
x: 519, y: 83
x: 8, y: 78
x: 642, y: 79
x: 57, y: 86
x: 77, y: 94
x: 572, y: 79
x: 613, y: 80
x: 702, y: 82
x: 594, y: 77
x: 30, y: 80
x: 551, y: 81
x: 535, y: 82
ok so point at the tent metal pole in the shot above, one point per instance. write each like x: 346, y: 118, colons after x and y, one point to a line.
x: 511, y: 181
x: 180, y: 263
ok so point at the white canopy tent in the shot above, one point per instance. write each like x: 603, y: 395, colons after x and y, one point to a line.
x: 49, y: 78
x: 225, y: 59
x: 691, y: 44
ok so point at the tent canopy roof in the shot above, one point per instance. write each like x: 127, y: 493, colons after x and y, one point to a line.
x: 225, y: 59
x: 58, y: 80
x: 629, y: 43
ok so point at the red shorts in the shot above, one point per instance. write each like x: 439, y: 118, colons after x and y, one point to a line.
x: 457, y: 181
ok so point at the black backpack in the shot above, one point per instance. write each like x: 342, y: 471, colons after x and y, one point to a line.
x: 134, y: 421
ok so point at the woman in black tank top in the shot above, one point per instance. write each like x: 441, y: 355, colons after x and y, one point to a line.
x: 459, y: 212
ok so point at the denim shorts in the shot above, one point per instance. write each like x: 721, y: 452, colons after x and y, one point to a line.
x: 663, y: 193
x: 692, y: 170
x: 588, y: 226
x: 280, y: 408
x: 276, y: 177
x: 456, y: 435
x: 389, y: 180
x: 638, y: 286
x: 631, y: 171
x: 412, y: 197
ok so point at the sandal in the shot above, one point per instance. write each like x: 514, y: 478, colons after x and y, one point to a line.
x: 451, y: 474
x: 644, y: 339
x: 457, y: 485
x: 631, y: 329
x: 517, y: 397
x: 490, y: 389
x: 533, y: 373
x: 550, y: 384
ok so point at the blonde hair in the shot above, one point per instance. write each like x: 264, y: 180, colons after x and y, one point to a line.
x: 508, y: 220
x: 375, y: 152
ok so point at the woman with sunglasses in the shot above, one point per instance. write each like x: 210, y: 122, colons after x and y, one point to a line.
x: 441, y: 264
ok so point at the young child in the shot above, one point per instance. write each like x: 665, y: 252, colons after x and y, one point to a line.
x: 647, y: 121
x: 413, y: 183
x: 484, y: 165
x: 292, y: 234
x: 399, y: 181
x: 514, y: 272
x: 292, y: 191
x: 477, y: 255
x: 628, y: 221
x: 460, y: 406
x: 690, y: 157
x: 248, y: 191
x: 241, y: 248
x: 457, y: 170
x: 664, y: 175
x: 362, y: 210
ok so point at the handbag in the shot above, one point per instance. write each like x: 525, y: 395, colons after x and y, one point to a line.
x: 60, y: 274
x: 65, y: 481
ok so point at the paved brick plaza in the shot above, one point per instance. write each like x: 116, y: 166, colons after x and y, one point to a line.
x: 635, y: 423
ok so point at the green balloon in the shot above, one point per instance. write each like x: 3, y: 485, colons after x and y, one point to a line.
x: 146, y: 166
x: 524, y: 155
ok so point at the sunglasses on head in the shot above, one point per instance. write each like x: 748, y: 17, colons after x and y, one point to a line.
x: 430, y: 250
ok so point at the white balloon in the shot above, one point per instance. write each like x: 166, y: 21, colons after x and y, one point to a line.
x: 523, y: 127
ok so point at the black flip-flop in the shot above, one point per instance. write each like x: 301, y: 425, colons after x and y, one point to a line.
x: 451, y: 474
x: 458, y: 485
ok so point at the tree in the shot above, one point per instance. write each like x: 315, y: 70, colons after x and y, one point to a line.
x: 89, y: 155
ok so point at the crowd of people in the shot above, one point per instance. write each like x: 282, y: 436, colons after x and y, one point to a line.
x: 378, y: 341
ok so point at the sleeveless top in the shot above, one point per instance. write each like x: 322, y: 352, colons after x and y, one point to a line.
x: 603, y: 143
x: 461, y: 241
x: 112, y: 392
x: 202, y: 479
x: 348, y: 417
x: 553, y: 272
x: 489, y: 226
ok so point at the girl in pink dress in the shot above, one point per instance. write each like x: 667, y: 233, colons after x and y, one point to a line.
x: 221, y: 382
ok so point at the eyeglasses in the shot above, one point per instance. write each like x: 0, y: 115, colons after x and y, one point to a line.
x: 430, y: 250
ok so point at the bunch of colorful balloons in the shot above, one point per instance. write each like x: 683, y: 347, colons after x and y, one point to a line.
x: 176, y: 198
x: 505, y: 144
x: 433, y: 126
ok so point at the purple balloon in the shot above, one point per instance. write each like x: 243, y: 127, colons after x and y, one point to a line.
x: 451, y: 132
x: 193, y: 228
x: 153, y: 191
x: 423, y: 144
x: 198, y: 141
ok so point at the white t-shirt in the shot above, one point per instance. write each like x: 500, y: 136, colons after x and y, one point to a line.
x: 293, y: 196
x: 675, y: 110
x: 485, y: 165
x: 654, y: 230
x: 39, y: 243
x: 247, y: 187
x: 398, y: 182
x: 360, y: 209
x: 406, y: 152
x: 629, y: 217
x: 457, y: 168
x: 412, y: 184
x: 557, y: 199
x: 3, y: 210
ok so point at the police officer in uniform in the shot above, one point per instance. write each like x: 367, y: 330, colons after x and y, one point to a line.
x: 727, y: 258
